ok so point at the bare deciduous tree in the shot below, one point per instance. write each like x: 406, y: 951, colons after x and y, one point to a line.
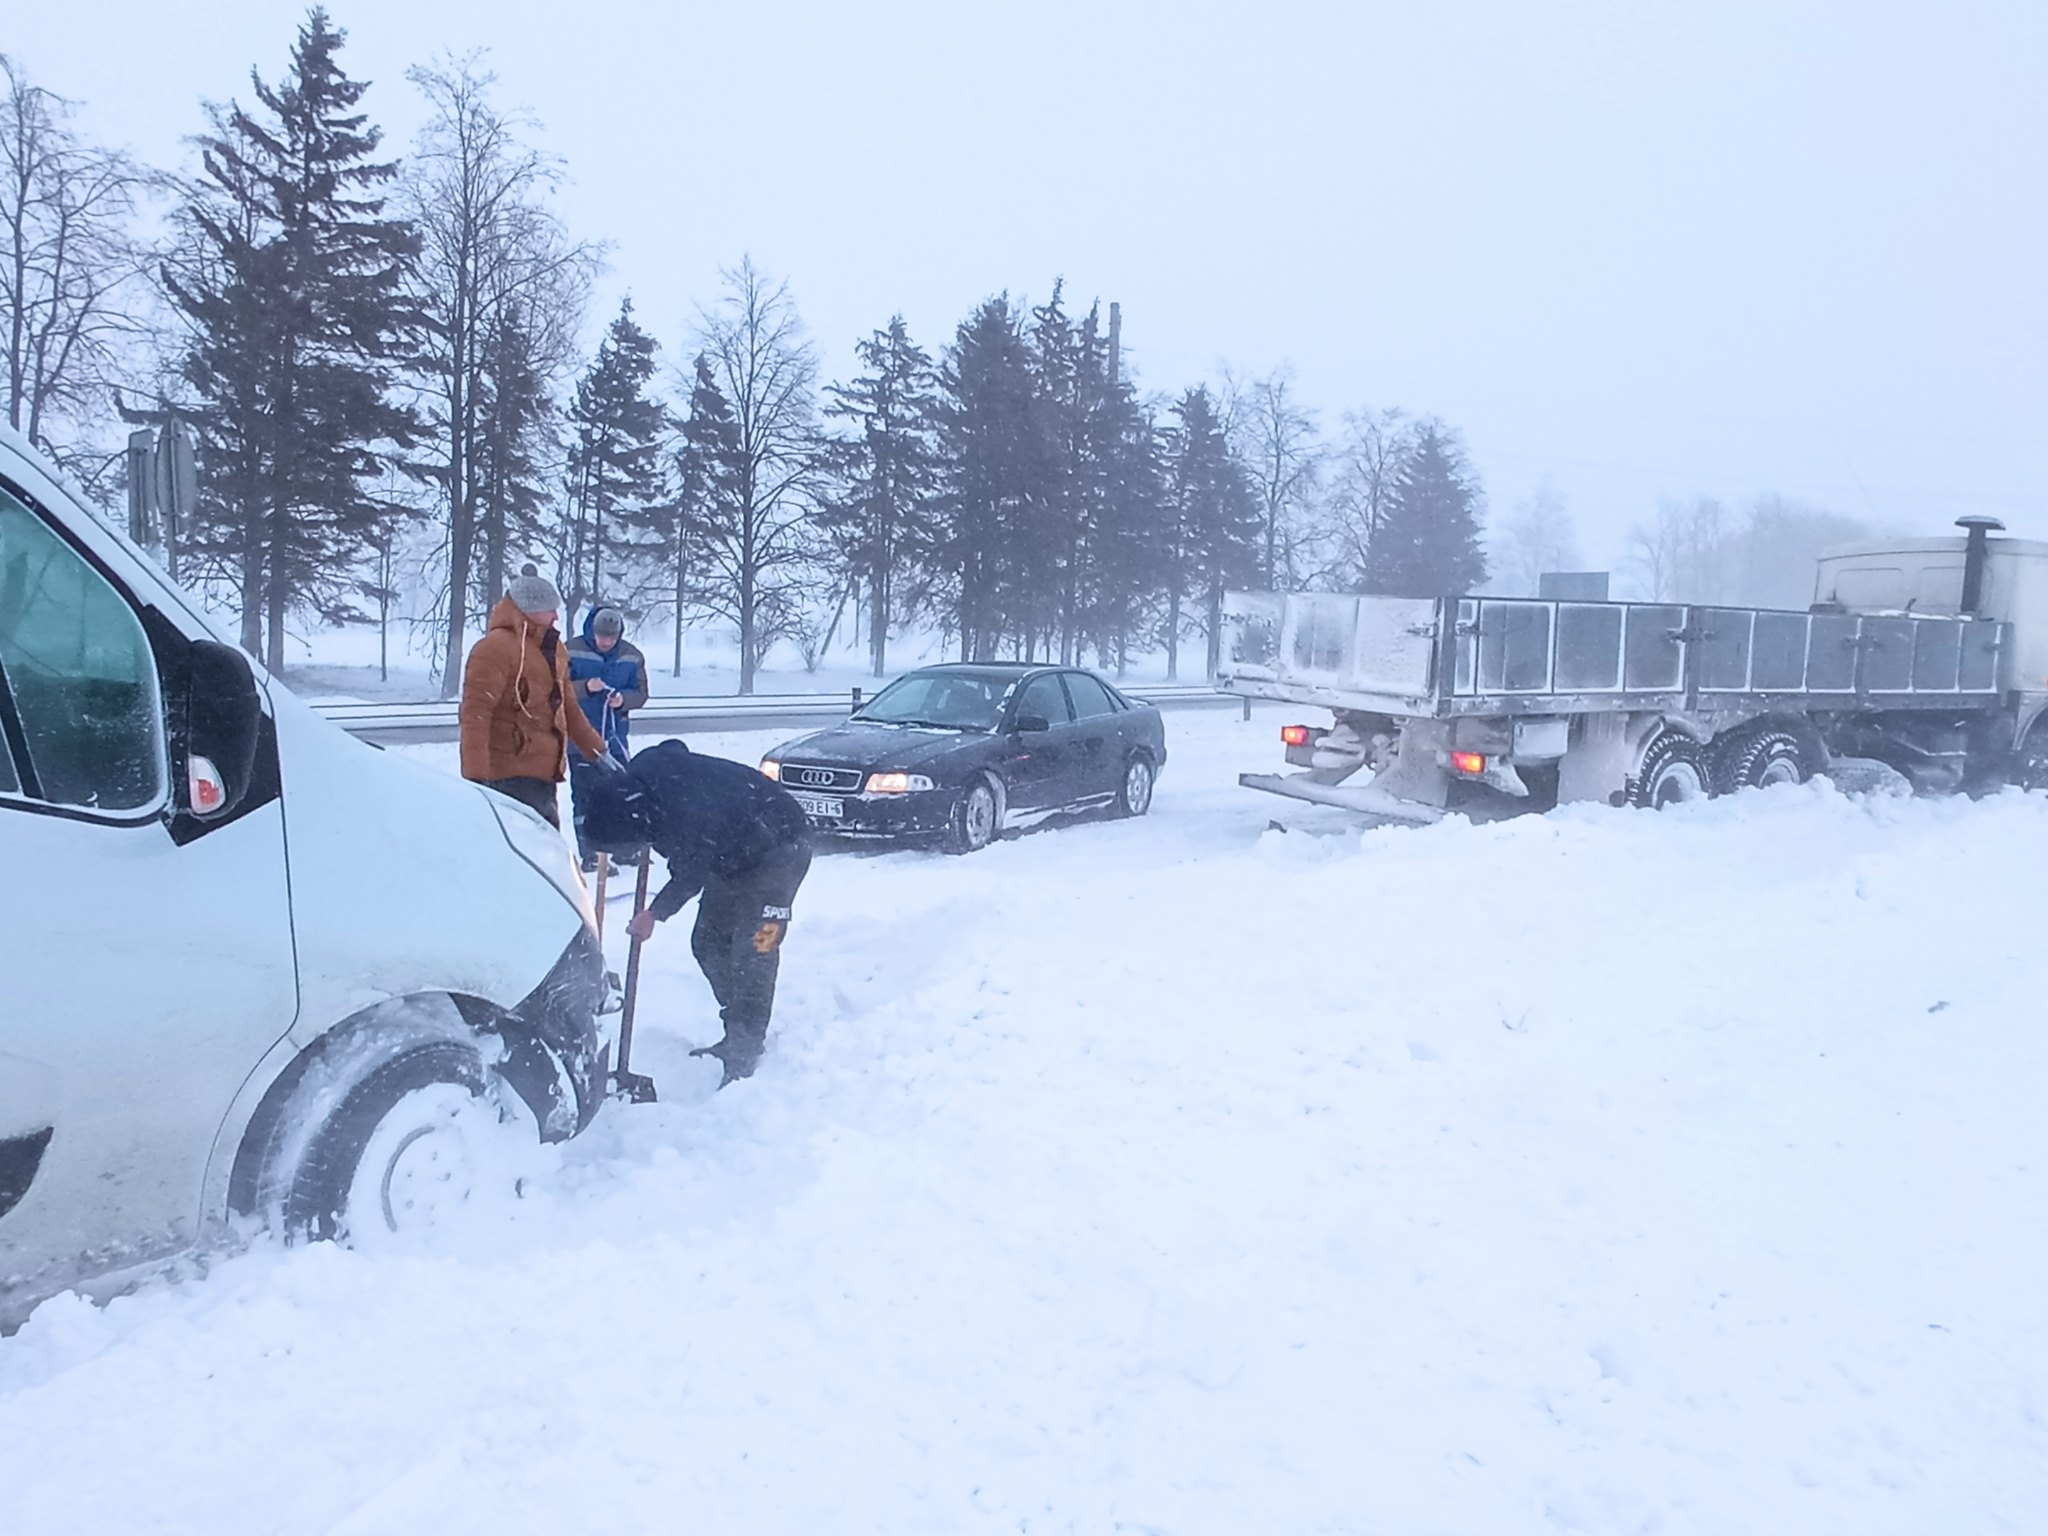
x: 73, y: 275
x: 497, y: 274
x: 1685, y: 555
x: 754, y: 545
x: 1537, y: 538
x: 1277, y: 439
x: 1364, y: 470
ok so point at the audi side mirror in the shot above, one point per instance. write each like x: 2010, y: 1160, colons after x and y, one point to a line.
x: 223, y: 725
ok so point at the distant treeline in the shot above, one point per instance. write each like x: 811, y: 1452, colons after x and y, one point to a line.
x: 382, y: 359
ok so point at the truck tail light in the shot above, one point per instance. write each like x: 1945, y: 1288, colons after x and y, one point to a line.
x: 1473, y: 763
x: 1294, y: 735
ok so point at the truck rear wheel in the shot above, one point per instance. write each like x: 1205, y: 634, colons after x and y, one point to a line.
x: 1757, y: 760
x: 1673, y: 772
x: 2030, y: 763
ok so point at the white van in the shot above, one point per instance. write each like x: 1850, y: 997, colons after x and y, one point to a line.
x: 250, y: 968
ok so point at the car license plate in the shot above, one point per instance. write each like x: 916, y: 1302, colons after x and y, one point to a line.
x: 830, y: 807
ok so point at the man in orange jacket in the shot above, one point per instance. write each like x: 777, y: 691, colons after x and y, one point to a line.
x: 518, y: 713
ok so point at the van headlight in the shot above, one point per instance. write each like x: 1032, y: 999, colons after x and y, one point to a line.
x: 545, y: 849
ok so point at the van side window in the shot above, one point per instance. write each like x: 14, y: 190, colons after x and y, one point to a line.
x: 80, y: 714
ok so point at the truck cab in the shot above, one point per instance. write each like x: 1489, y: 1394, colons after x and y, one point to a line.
x: 253, y: 969
x: 1933, y: 576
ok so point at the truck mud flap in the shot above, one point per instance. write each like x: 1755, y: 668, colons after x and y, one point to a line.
x: 1362, y: 798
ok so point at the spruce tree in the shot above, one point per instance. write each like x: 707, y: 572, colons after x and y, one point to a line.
x: 1213, y: 523
x: 1126, y: 491
x: 614, y: 463
x: 1430, y: 544
x: 883, y: 474
x: 300, y: 329
x: 988, y: 451
x: 1044, y: 571
x: 707, y: 484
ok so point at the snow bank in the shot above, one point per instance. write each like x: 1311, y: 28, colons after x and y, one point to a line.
x: 1604, y: 1172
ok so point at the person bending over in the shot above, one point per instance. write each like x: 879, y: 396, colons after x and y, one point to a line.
x: 737, y: 843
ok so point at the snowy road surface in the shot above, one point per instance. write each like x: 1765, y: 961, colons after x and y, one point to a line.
x: 1606, y: 1172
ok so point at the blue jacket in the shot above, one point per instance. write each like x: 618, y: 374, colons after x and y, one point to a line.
x: 623, y: 671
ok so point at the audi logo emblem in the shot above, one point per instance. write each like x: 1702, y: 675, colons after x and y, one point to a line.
x: 819, y: 778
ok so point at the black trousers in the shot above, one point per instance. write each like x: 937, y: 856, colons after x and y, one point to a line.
x: 741, y: 923
x: 581, y: 775
x: 539, y: 794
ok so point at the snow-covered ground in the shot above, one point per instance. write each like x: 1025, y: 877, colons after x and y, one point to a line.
x: 1605, y: 1172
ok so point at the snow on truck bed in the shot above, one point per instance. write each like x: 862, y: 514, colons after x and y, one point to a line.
x: 1602, y: 1172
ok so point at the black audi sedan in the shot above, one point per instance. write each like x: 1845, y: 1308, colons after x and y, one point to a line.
x: 960, y: 753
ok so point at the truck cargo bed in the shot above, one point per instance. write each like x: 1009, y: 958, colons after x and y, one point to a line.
x: 1453, y: 656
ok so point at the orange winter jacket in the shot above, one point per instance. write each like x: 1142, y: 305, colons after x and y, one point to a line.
x: 517, y: 713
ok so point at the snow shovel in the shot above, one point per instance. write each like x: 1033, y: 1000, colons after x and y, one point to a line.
x: 604, y: 869
x: 628, y: 1084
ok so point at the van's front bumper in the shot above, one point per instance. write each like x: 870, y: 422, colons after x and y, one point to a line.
x: 556, y: 1053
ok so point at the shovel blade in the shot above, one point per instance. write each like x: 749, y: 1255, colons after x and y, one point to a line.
x: 633, y: 1087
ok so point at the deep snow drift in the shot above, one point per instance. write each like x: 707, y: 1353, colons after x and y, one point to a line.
x: 1601, y: 1172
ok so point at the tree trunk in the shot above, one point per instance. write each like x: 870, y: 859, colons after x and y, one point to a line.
x: 276, y: 594
x: 252, y: 584
x: 676, y: 668
x: 1215, y: 629
x: 1173, y: 635
x: 746, y: 629
x: 878, y: 621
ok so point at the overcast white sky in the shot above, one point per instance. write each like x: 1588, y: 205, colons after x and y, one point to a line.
x: 1648, y: 249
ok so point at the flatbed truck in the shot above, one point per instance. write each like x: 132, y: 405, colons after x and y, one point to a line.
x: 1927, y: 655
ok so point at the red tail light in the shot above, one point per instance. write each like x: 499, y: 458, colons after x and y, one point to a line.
x: 1294, y: 735
x: 1469, y: 762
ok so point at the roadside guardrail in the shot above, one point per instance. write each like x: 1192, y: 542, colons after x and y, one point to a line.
x: 435, y: 719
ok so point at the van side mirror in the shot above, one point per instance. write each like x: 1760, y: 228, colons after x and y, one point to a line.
x: 1032, y: 725
x: 223, y: 726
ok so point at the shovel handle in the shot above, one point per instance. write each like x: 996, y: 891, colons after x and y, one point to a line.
x: 632, y: 974
x: 604, y: 869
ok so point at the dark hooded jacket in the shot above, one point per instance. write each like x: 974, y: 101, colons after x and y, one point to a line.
x: 709, y: 817
x: 622, y: 670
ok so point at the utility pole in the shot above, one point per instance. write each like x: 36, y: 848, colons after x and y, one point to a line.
x: 1116, y: 343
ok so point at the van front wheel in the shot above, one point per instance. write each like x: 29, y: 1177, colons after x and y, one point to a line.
x: 426, y: 1134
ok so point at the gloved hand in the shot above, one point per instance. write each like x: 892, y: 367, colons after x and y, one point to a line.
x: 608, y: 764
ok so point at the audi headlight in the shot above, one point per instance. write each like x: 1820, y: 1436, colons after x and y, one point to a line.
x: 771, y: 769
x: 545, y: 849
x: 897, y: 783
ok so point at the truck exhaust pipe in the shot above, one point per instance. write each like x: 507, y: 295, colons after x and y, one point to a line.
x: 1975, y: 552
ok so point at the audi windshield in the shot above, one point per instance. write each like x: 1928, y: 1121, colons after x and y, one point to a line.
x: 946, y: 701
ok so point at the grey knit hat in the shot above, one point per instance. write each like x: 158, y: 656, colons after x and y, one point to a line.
x: 607, y: 621
x: 533, y: 592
